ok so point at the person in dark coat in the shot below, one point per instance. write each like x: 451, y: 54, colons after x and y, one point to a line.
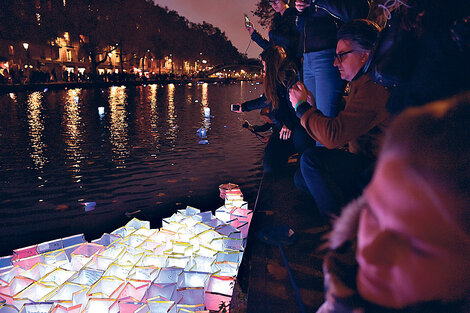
x: 423, y: 52
x: 318, y: 23
x: 288, y: 135
x: 283, y: 31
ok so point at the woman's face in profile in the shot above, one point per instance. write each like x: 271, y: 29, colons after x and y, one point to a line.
x: 409, y: 250
x: 277, y: 5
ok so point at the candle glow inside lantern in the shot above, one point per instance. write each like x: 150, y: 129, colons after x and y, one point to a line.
x: 188, y: 265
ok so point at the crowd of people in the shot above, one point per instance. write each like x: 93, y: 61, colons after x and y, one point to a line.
x: 378, y: 116
x: 40, y: 75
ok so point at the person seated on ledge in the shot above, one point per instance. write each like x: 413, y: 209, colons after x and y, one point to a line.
x: 289, y: 137
x: 404, y: 245
x: 331, y: 174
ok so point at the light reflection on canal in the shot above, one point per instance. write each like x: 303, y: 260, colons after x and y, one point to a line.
x: 118, y: 125
x: 36, y: 128
x: 129, y: 149
x: 73, y: 132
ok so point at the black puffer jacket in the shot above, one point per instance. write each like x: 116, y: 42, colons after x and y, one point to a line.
x: 319, y: 23
x: 283, y: 33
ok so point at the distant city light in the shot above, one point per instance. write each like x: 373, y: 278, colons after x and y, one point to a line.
x: 101, y: 112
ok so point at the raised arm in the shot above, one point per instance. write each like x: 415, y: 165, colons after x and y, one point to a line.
x: 260, y: 40
x: 255, y: 104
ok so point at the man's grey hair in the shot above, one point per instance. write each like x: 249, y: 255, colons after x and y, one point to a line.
x: 361, y: 33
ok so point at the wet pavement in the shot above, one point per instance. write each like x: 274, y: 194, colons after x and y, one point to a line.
x: 264, y: 284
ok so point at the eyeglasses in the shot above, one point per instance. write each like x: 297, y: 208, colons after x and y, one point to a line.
x: 274, y: 1
x: 339, y: 56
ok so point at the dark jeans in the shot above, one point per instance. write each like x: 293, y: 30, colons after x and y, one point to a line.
x: 278, y: 151
x: 324, y: 81
x: 333, y: 177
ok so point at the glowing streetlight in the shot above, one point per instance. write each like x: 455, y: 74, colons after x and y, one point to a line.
x: 25, y: 45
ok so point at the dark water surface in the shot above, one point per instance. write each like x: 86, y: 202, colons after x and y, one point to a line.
x: 125, y: 148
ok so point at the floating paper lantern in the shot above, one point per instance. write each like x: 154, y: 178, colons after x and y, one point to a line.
x: 24, y: 253
x: 188, y: 265
x: 223, y: 188
x: 201, y: 132
x: 207, y: 112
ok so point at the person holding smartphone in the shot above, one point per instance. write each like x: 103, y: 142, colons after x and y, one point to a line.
x: 318, y: 22
x: 288, y: 136
x: 283, y: 31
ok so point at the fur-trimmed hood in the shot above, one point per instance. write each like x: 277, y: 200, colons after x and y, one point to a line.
x: 340, y: 269
x: 346, y: 225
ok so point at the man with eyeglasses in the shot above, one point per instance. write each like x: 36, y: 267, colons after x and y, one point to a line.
x: 332, y: 175
x: 318, y: 22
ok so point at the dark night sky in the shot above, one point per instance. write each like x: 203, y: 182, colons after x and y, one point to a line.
x: 225, y: 14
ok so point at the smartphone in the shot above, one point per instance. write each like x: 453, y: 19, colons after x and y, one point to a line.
x: 247, y: 21
x: 235, y: 107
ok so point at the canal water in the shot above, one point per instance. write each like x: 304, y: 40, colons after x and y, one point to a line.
x: 88, y: 160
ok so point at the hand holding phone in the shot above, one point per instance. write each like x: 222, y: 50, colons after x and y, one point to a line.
x: 249, y: 26
x: 247, y: 21
x: 236, y: 108
x: 301, y: 5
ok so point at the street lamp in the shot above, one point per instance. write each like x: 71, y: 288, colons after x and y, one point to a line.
x: 26, y: 46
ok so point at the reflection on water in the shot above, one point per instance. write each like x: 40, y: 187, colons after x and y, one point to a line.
x: 118, y: 125
x: 154, y: 116
x: 36, y: 128
x: 204, y: 96
x: 147, y: 126
x: 73, y: 135
x: 130, y: 150
x: 172, y: 127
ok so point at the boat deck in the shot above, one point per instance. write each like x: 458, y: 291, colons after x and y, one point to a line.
x: 263, y: 283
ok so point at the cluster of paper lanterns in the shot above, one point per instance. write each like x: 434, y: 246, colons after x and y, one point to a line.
x: 188, y: 265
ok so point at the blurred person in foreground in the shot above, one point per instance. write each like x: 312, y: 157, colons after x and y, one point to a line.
x: 332, y: 175
x: 404, y: 245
